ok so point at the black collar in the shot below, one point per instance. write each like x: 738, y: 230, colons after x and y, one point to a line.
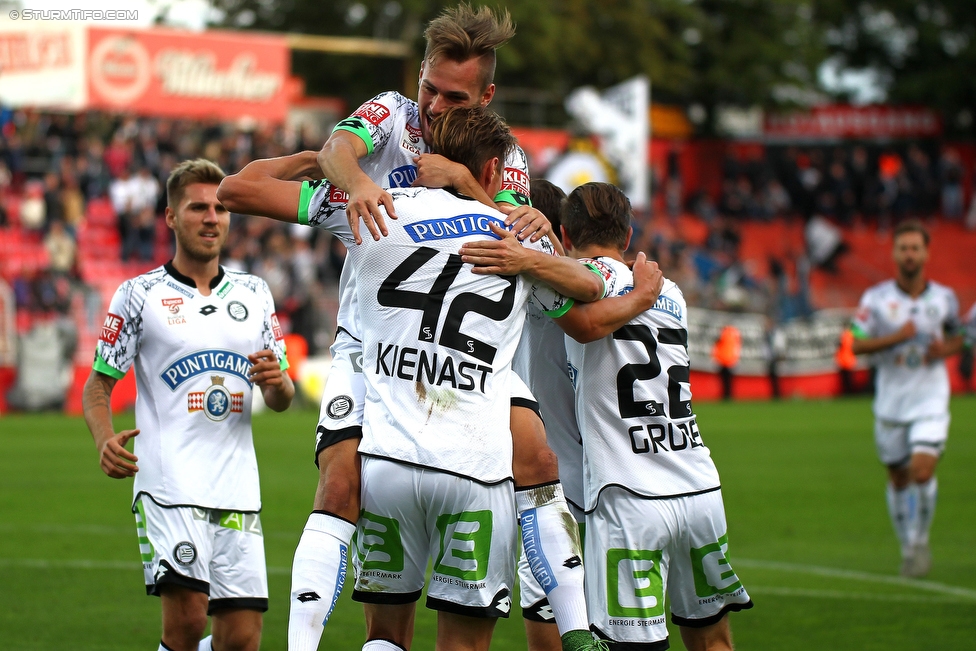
x: 186, y: 280
x: 459, y: 194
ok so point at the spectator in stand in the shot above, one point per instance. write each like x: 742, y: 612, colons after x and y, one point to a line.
x: 120, y: 192
x: 33, y: 210
x: 950, y: 172
x: 726, y: 352
x: 145, y: 194
x: 61, y: 249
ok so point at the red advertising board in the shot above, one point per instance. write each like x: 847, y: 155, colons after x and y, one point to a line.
x: 841, y: 121
x: 181, y: 74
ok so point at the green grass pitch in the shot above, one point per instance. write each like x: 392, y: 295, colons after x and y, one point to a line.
x: 809, y: 532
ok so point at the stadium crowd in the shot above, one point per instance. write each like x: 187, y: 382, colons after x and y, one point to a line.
x: 53, y: 165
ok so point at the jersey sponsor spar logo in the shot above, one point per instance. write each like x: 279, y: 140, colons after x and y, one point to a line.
x: 205, y: 361
x: 173, y: 304
x: 111, y: 328
x: 337, y: 195
x: 276, y: 327
x: 403, y: 177
x: 451, y: 227
x: 516, y: 179
x: 373, y: 112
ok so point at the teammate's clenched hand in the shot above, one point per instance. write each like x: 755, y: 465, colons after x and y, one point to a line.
x: 527, y: 221
x: 364, y: 204
x: 115, y: 460
x: 265, y: 369
x: 435, y: 171
x: 648, y: 278
x: 505, y: 256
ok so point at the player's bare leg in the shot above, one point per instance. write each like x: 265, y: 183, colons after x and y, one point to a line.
x: 321, y: 558
x: 236, y: 630
x: 462, y: 633
x: 717, y: 637
x: 542, y: 636
x: 550, y: 537
x: 388, y: 625
x: 184, y: 617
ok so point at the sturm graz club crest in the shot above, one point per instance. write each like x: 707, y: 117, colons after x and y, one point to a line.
x: 185, y: 553
x: 237, y: 311
x: 216, y: 402
x: 339, y: 407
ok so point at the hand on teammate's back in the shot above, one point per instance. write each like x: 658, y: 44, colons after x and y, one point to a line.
x: 648, y: 277
x: 365, y: 201
x: 115, y: 460
x: 528, y: 222
x: 504, y: 256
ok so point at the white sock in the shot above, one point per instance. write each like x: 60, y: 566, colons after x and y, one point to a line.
x: 317, y: 576
x: 927, y: 494
x: 550, y: 541
x: 381, y: 645
x: 206, y: 644
x: 901, y: 508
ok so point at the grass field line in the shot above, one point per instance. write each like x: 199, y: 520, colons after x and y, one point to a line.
x: 856, y: 575
x: 951, y: 594
x: 841, y: 594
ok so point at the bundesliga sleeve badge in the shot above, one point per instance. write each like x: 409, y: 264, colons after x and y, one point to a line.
x: 216, y: 402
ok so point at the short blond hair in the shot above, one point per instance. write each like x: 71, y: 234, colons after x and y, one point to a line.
x: 471, y: 136
x: 198, y: 170
x: 462, y: 33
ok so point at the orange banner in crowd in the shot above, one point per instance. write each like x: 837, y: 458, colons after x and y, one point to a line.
x: 180, y: 74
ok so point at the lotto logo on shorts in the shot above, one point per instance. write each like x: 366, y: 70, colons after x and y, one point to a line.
x: 517, y: 180
x: 373, y: 112
x: 111, y: 328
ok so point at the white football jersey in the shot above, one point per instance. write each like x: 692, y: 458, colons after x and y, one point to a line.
x: 389, y: 125
x: 193, y: 407
x: 540, y: 360
x: 438, y: 340
x: 633, y: 401
x: 908, y: 388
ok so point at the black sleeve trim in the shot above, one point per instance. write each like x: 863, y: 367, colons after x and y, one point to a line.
x: 440, y: 470
x: 386, y: 598
x: 660, y: 645
x: 259, y: 604
x: 172, y: 577
x: 714, y: 619
x: 481, y: 612
x: 528, y: 404
x: 330, y: 437
x: 333, y: 515
x: 651, y: 497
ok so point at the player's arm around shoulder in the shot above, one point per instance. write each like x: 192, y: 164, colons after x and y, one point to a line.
x: 270, y: 187
x: 587, y: 322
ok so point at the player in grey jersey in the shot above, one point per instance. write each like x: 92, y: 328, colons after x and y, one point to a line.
x: 910, y: 325
x: 199, y: 339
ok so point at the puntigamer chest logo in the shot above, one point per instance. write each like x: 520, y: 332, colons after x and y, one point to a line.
x: 216, y: 402
x: 205, y: 361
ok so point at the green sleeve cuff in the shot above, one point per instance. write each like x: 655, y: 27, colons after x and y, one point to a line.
x: 102, y: 366
x: 858, y: 333
x: 355, y: 126
x: 512, y: 197
x: 304, y: 199
x: 593, y: 268
x: 555, y: 314
x: 284, y: 363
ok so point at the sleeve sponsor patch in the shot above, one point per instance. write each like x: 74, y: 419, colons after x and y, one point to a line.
x: 111, y: 328
x: 516, y: 180
x: 276, y: 327
x: 338, y: 195
x: 373, y: 112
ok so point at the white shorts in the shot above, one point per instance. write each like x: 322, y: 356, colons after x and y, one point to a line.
x: 219, y: 553
x: 341, y: 413
x: 532, y: 596
x: 638, y: 549
x: 897, y: 442
x: 411, y: 516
